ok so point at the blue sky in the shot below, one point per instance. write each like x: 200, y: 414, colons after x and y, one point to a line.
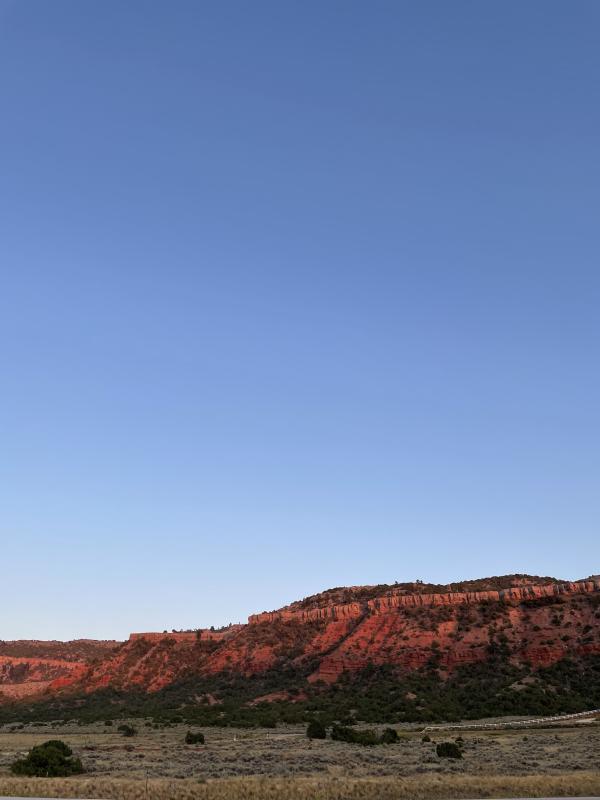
x: 293, y: 295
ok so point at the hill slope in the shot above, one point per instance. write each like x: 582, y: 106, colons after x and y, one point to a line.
x: 28, y: 668
x: 518, y: 623
x: 538, y: 623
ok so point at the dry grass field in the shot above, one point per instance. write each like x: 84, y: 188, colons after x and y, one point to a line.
x: 156, y: 764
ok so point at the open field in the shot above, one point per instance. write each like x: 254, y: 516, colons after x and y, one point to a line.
x: 283, y: 763
x: 429, y: 788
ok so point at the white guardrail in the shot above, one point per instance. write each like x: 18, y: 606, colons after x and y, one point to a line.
x: 515, y: 723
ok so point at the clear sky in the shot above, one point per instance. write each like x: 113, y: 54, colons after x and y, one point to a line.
x: 293, y: 295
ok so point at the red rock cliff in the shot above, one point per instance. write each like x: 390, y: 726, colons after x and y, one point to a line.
x: 403, y: 626
x: 400, y: 599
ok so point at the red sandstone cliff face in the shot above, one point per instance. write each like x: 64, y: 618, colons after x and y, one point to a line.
x: 23, y: 677
x: 29, y: 668
x: 153, y: 660
x: 201, y: 634
x: 539, y: 624
x: 404, y: 626
x: 397, y: 598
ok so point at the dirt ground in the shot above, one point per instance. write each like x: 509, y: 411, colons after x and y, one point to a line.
x: 286, y: 752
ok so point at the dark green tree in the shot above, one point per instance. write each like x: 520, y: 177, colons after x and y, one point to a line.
x: 389, y: 736
x: 316, y: 730
x: 194, y: 738
x: 52, y: 759
x: 448, y: 750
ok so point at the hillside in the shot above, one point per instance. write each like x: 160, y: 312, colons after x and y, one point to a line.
x: 83, y: 650
x: 537, y: 623
x: 350, y: 594
x: 28, y: 668
x: 520, y: 625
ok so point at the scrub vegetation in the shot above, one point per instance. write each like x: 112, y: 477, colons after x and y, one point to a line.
x: 287, y: 754
x: 376, y: 694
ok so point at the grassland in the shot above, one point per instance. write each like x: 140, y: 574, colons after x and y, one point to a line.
x: 582, y: 785
x: 283, y: 763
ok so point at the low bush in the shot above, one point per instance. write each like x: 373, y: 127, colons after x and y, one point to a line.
x: 448, y: 750
x: 389, y: 736
x: 52, y: 759
x: 127, y: 730
x: 194, y: 738
x: 343, y: 733
x: 316, y: 730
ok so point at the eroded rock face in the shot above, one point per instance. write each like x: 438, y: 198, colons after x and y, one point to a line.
x: 393, y: 598
x: 537, y: 624
x: 201, y: 634
x: 30, y: 667
x: 23, y: 677
x: 406, y: 626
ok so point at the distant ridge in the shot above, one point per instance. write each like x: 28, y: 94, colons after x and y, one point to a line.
x: 537, y: 620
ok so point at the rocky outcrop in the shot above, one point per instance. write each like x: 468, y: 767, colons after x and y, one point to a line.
x: 24, y: 677
x: 198, y: 635
x: 334, y: 612
x: 31, y: 667
x: 537, y: 624
x: 401, y: 599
